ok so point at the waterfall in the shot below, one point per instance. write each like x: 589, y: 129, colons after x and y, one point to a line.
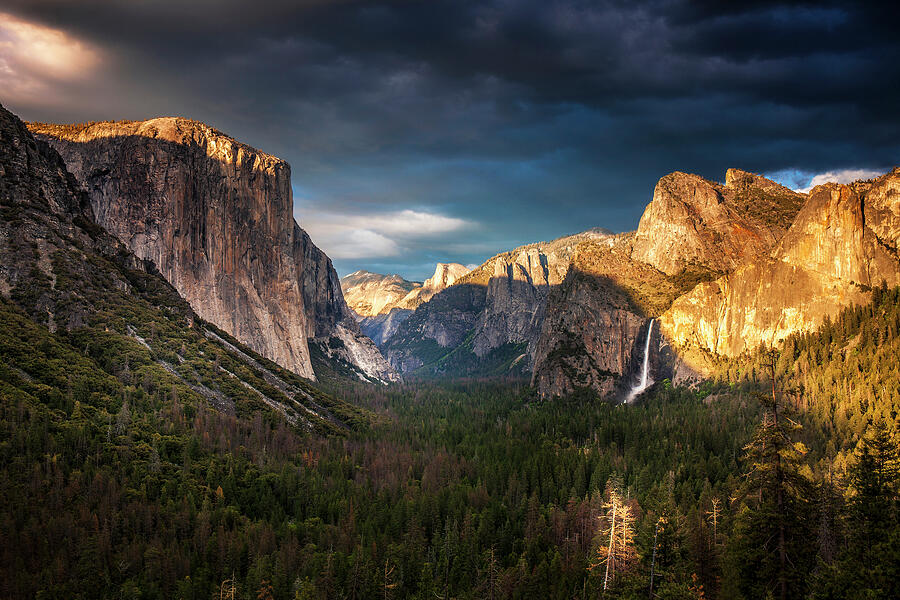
x: 640, y: 387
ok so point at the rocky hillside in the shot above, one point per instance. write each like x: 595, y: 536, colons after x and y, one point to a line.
x: 369, y: 294
x: 489, y: 320
x: 693, y: 223
x: 215, y: 217
x: 87, y: 327
x: 843, y: 242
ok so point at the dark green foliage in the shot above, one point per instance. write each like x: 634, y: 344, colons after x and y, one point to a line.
x: 868, y: 565
x: 135, y: 461
x: 773, y: 529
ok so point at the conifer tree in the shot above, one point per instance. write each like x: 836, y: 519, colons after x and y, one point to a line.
x: 770, y: 553
x: 869, y: 563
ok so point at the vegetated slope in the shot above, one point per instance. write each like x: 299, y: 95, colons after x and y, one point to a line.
x: 216, y: 218
x: 846, y: 372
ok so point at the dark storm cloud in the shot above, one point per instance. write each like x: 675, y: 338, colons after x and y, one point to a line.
x: 496, y: 123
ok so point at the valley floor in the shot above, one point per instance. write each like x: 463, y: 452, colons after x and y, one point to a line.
x: 472, y: 489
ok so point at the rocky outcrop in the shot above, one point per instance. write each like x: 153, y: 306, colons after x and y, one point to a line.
x: 370, y: 294
x: 386, y: 301
x: 692, y: 223
x: 491, y: 317
x: 841, y: 243
x: 840, y: 234
x: 445, y: 275
x: 215, y: 217
x: 122, y: 319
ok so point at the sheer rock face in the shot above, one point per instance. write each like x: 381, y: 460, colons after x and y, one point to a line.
x: 589, y: 336
x: 516, y: 296
x: 445, y: 275
x: 842, y: 241
x: 499, y: 303
x: 843, y: 233
x: 215, y: 217
x: 370, y: 294
x: 692, y: 222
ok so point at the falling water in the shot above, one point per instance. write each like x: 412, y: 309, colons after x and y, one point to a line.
x: 644, y: 372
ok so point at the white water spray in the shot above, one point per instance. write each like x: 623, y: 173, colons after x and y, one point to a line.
x: 645, y: 371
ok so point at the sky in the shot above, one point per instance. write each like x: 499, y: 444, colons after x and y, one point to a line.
x: 447, y: 130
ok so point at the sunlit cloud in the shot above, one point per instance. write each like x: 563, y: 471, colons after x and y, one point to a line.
x: 33, y: 58
x: 843, y: 176
x: 803, y: 181
x: 381, y: 235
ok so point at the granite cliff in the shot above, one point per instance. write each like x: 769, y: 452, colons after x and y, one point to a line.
x: 724, y: 268
x: 83, y: 318
x: 693, y: 223
x: 597, y: 319
x: 843, y: 242
x: 489, y: 320
x: 215, y: 217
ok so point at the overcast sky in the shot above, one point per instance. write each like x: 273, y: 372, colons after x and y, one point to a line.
x: 430, y: 130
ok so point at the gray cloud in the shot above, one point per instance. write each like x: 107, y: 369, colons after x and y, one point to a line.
x: 527, y: 120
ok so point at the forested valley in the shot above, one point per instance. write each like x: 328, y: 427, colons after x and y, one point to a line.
x: 119, y: 485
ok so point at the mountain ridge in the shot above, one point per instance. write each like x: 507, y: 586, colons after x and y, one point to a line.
x: 576, y: 316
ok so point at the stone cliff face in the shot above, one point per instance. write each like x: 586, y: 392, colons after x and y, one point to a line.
x: 445, y: 275
x: 596, y: 325
x: 693, y: 223
x: 370, y: 294
x: 843, y: 241
x: 67, y: 273
x: 840, y: 234
x: 786, y: 263
x: 492, y: 315
x: 516, y: 296
x: 385, y: 301
x: 215, y: 217
x: 591, y: 327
